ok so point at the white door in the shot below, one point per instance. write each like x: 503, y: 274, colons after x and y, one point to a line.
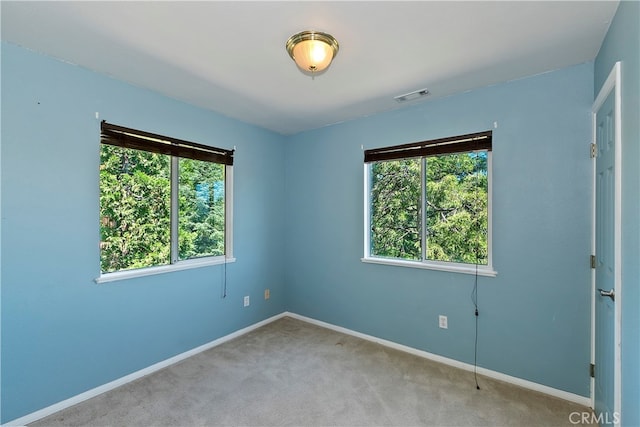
x: 607, y: 252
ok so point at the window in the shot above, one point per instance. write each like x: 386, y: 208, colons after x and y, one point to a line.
x: 165, y: 204
x: 427, y: 204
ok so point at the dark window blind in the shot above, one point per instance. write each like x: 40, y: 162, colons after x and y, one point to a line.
x: 139, y: 140
x: 455, y: 144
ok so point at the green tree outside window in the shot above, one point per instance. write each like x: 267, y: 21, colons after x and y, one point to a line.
x: 135, y: 209
x: 454, y: 197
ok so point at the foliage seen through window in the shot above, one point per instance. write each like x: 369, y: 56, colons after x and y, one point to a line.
x: 454, y: 197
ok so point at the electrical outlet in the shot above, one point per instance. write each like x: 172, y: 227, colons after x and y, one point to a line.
x: 267, y: 294
x: 246, y: 301
x: 442, y: 322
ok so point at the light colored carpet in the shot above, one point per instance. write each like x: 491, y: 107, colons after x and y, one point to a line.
x: 291, y: 373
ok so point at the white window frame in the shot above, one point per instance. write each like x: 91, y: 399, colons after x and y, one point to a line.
x: 479, y: 269
x: 177, y: 264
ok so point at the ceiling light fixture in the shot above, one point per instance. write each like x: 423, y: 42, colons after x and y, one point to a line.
x: 312, y: 51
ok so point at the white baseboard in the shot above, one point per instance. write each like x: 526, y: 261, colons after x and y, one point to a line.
x: 571, y: 397
x: 34, y: 416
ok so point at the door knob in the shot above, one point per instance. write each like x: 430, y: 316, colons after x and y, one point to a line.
x: 611, y: 294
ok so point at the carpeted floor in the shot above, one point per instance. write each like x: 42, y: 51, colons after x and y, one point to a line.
x: 291, y: 373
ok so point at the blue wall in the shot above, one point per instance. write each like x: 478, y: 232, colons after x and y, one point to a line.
x: 535, y: 315
x: 62, y: 334
x: 623, y: 44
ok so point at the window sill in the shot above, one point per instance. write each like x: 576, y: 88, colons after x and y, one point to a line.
x: 482, y: 270
x: 181, y: 265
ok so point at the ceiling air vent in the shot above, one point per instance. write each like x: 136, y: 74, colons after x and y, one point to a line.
x: 412, y: 95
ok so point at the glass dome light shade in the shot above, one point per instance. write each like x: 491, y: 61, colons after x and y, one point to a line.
x: 312, y: 51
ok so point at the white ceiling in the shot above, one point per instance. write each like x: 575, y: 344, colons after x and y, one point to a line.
x: 230, y: 56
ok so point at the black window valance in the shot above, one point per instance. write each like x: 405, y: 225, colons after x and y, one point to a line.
x: 139, y: 140
x: 450, y: 145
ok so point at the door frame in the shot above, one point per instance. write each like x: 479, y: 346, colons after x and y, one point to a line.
x: 613, y: 83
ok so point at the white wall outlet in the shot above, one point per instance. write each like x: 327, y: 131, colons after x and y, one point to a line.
x: 443, y: 322
x: 246, y: 301
x: 267, y: 294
